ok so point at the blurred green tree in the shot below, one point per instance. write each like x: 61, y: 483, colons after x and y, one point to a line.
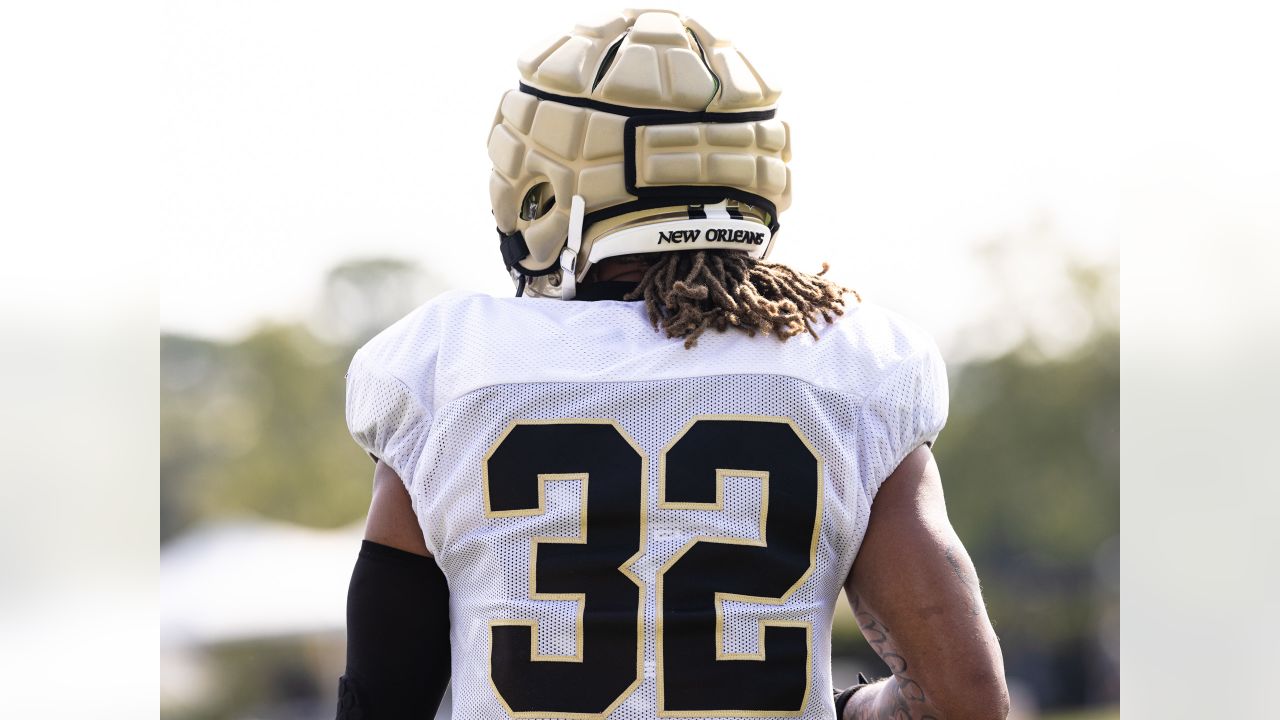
x: 257, y: 426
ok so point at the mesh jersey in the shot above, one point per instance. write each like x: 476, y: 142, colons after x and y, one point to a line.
x: 631, y: 529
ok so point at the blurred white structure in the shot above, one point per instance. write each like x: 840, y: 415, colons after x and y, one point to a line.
x: 254, y: 579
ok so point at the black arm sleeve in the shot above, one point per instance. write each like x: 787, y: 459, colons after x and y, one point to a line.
x: 397, y: 637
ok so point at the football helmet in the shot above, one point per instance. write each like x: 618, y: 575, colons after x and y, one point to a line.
x: 645, y: 133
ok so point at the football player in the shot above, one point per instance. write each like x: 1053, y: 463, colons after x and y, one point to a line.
x: 637, y: 488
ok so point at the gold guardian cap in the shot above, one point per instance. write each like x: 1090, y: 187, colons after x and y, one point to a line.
x: 644, y: 133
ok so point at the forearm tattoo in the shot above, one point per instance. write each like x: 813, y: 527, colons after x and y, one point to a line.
x: 896, y: 698
x: 966, y: 578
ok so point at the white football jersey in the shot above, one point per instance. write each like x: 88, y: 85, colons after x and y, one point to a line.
x: 631, y: 529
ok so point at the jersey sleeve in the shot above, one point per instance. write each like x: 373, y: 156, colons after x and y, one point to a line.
x: 386, y: 419
x: 907, y: 409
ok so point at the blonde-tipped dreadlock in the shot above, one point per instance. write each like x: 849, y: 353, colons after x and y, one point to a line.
x: 687, y: 292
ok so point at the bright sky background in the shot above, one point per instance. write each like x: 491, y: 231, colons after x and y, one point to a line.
x: 308, y: 133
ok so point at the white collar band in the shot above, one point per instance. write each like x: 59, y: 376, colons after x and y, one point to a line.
x: 709, y: 233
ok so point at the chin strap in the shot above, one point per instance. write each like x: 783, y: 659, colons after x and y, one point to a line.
x: 569, y: 255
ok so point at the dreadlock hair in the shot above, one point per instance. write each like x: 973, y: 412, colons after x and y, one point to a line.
x: 688, y: 291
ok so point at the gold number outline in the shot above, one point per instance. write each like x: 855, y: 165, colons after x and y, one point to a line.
x: 718, y: 504
x: 581, y: 538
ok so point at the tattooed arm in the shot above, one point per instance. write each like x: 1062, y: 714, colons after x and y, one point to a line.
x: 915, y: 595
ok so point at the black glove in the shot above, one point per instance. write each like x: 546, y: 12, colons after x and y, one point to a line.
x: 349, y: 700
x: 842, y: 696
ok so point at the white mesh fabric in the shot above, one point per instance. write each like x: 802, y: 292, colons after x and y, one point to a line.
x: 433, y: 392
x: 384, y: 416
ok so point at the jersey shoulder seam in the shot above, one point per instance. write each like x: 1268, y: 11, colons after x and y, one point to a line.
x: 858, y: 400
x: 405, y: 474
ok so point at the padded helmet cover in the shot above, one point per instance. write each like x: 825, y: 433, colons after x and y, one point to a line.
x: 639, y: 115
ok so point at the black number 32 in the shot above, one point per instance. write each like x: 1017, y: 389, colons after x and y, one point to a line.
x: 695, y: 676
